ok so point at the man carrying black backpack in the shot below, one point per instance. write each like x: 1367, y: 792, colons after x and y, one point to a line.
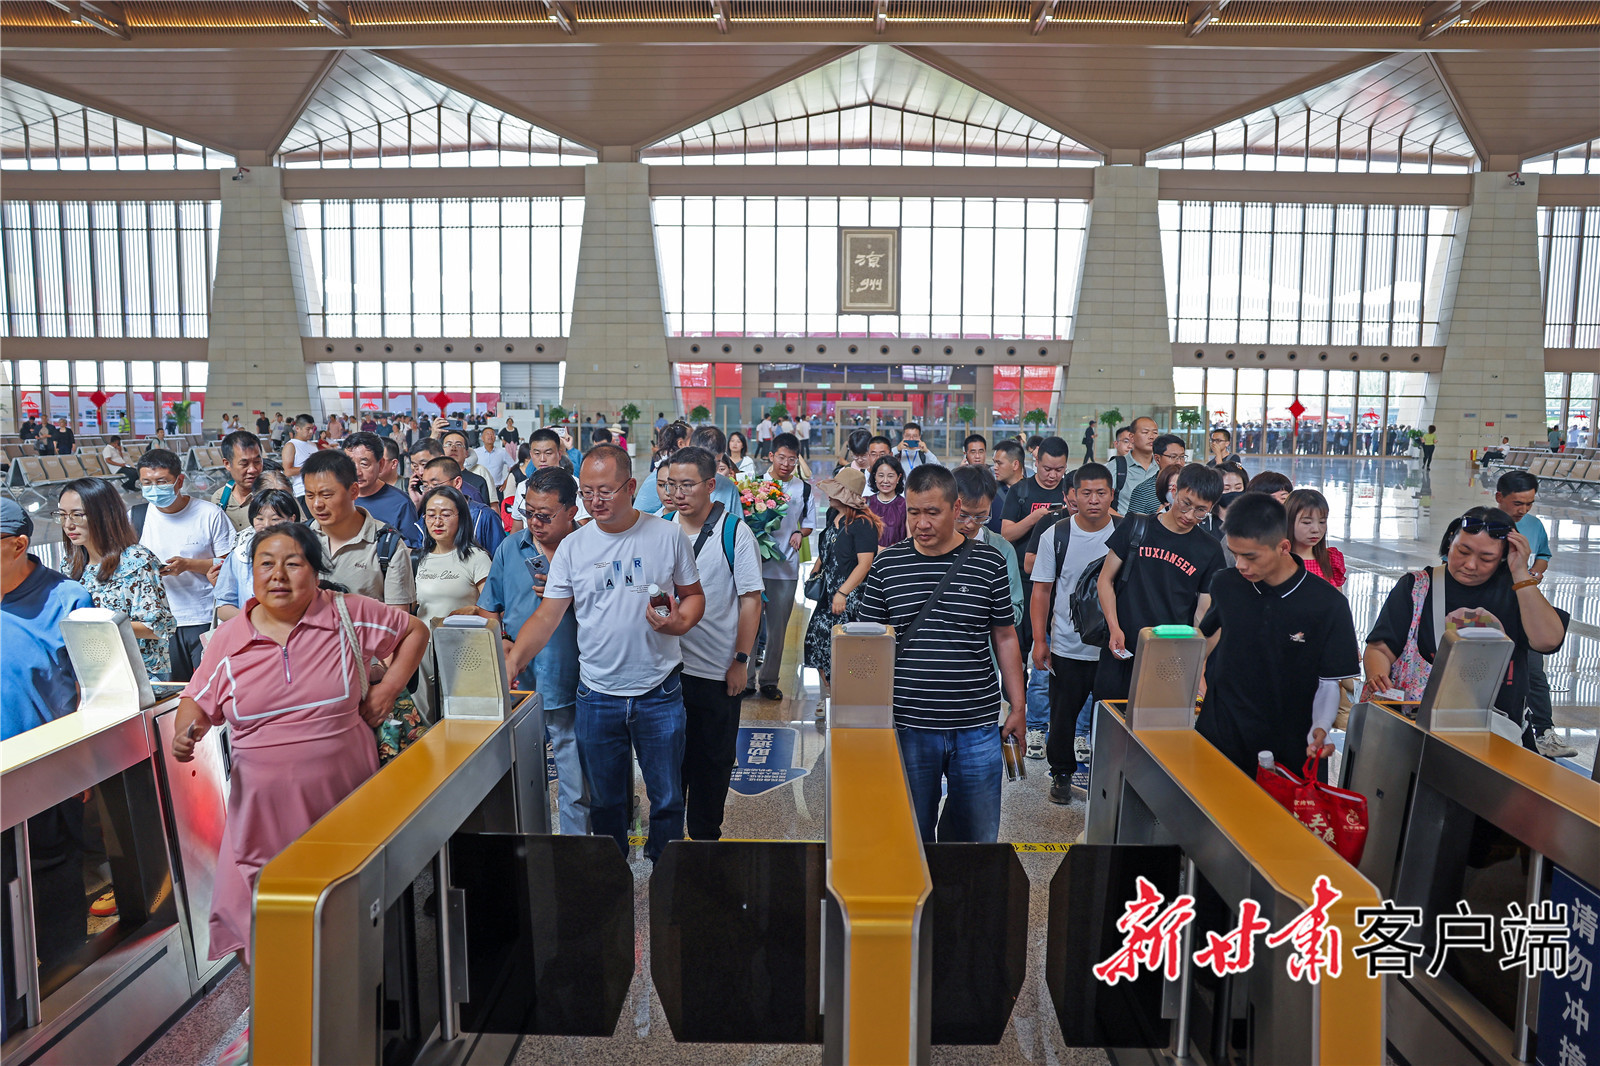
x: 1065, y: 550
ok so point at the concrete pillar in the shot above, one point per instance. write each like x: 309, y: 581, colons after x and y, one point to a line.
x: 1121, y: 351
x: 253, y: 348
x: 1494, y: 335
x: 617, y: 352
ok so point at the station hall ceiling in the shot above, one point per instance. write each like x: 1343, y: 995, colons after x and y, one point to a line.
x: 1517, y: 77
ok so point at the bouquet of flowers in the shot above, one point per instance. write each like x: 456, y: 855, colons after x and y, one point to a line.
x: 764, y: 504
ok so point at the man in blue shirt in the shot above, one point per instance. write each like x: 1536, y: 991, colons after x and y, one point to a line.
x: 377, y: 497
x: 487, y: 529
x: 1515, y: 494
x: 513, y: 591
x: 37, y: 683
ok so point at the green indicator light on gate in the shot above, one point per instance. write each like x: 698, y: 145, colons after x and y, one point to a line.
x: 1174, y: 632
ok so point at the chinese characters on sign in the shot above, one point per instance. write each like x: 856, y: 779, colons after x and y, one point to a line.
x: 869, y: 271
x: 1551, y: 938
x: 1569, y: 1033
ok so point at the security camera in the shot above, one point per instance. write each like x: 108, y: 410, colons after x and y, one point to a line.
x: 239, y: 174
x: 1516, y: 178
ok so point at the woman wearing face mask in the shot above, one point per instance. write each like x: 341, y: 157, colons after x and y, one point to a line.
x: 288, y: 676
x: 267, y: 508
x: 1485, y: 582
x: 105, y: 556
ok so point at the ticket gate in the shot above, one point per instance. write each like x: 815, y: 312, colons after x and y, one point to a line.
x: 1461, y: 815
x: 1203, y: 828
x: 93, y: 801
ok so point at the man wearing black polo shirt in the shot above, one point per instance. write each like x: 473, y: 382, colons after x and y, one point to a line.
x: 1008, y: 471
x: 946, y: 697
x: 1279, y: 643
x: 1030, y: 500
x: 1157, y: 572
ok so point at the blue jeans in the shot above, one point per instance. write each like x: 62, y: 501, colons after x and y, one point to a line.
x: 651, y: 724
x: 572, y: 792
x: 1038, y: 699
x: 968, y: 761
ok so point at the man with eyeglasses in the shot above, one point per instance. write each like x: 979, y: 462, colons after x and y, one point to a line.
x: 1220, y: 444
x: 782, y: 573
x: 975, y: 491
x: 1169, y: 451
x: 1158, y: 571
x: 189, y: 536
x: 716, y: 653
x: 457, y: 447
x: 513, y: 591
x: 629, y: 692
x: 1135, y: 466
x: 369, y: 453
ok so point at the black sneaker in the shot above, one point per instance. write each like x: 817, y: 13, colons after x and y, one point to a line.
x: 1060, y: 788
x: 771, y: 692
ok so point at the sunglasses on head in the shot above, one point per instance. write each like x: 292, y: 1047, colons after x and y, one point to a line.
x: 1497, y: 530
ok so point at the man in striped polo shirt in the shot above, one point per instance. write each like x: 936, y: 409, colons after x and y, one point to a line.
x: 946, y: 695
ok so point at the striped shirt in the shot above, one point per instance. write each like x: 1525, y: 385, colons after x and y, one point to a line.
x: 944, y: 677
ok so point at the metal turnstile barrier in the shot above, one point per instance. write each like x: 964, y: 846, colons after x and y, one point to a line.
x: 336, y: 923
x: 94, y: 797
x: 1158, y: 784
x: 1461, y: 814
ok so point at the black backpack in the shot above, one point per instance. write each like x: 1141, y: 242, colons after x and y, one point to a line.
x: 1060, y: 552
x: 1087, y: 617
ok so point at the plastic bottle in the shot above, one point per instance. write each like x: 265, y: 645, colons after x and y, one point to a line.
x: 659, y: 603
x: 1264, y: 760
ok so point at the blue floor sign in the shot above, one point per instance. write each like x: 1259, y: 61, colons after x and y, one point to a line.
x: 765, y: 759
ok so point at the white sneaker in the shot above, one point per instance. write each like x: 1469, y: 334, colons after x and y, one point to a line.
x: 1035, y: 743
x: 1549, y: 744
x: 1080, y: 748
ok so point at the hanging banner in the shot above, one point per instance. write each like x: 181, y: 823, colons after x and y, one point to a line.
x: 869, y: 271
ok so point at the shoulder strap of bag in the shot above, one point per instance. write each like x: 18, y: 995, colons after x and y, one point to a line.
x: 805, y: 498
x: 227, y: 494
x: 138, y: 514
x: 944, y: 583
x: 713, y: 520
x: 1437, y: 587
x: 389, y: 540
x: 730, y: 532
x: 1122, y: 477
x: 1135, y: 538
x: 349, y: 629
x: 1062, y: 537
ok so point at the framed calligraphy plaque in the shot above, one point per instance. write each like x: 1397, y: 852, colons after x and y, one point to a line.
x: 869, y: 271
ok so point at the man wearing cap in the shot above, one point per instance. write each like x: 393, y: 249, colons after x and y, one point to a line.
x: 37, y: 683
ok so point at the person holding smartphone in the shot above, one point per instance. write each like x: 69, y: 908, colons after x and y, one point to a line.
x: 511, y: 593
x: 911, y: 452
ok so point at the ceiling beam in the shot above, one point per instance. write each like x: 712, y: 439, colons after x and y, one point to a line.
x: 1479, y: 145
x: 988, y: 88
x: 561, y: 14
x: 302, y: 101
x: 722, y: 15
x: 880, y: 17
x: 483, y: 95
x: 331, y: 15
x: 103, y: 15
x: 1267, y: 99
x: 119, y: 109
x: 1039, y: 18
x: 1436, y: 18
x: 1201, y: 15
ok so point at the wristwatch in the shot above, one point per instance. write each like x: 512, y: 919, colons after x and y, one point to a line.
x: 740, y: 657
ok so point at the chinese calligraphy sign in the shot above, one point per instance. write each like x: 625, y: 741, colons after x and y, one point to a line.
x: 869, y: 271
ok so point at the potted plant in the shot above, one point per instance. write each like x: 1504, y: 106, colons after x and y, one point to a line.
x: 777, y: 412
x: 1189, y: 418
x: 967, y: 414
x: 1035, y: 418
x: 180, y: 414
x: 1111, y: 420
x: 556, y: 414
x: 628, y: 415
x: 700, y: 414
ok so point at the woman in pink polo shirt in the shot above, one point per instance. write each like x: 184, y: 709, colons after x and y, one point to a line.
x: 284, y: 676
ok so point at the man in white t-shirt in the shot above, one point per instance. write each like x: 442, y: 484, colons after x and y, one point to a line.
x: 764, y: 435
x: 188, y: 536
x: 716, y: 653
x: 782, y: 575
x: 1070, y: 662
x: 629, y: 656
x: 802, y: 433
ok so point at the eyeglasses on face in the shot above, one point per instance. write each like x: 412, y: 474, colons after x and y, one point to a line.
x: 682, y: 488
x: 64, y: 517
x: 602, y: 495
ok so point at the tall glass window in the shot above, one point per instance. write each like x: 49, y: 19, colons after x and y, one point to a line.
x: 43, y: 131
x: 1251, y: 273
x: 769, y: 266
x: 1569, y: 270
x: 441, y: 268
x: 1579, y: 159
x: 107, y: 269
x: 1342, y: 412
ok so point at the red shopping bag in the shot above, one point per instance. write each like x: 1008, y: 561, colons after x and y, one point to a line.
x: 1337, y: 815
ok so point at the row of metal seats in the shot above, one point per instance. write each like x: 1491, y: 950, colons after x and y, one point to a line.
x: 44, y: 471
x: 1574, y: 473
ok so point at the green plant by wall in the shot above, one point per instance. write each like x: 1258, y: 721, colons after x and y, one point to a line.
x: 700, y: 413
x: 630, y: 413
x: 1189, y: 418
x: 967, y: 414
x: 1035, y: 418
x: 557, y: 414
x: 1111, y: 420
x: 180, y: 410
x: 777, y: 412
